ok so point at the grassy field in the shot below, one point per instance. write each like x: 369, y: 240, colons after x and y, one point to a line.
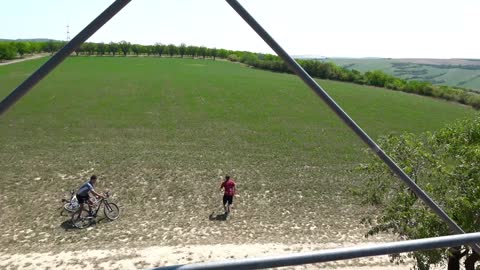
x: 454, y: 72
x: 161, y: 133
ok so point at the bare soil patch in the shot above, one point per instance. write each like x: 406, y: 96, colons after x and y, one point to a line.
x: 156, y: 256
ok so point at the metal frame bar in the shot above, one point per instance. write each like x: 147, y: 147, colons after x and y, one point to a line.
x: 63, y: 53
x: 315, y: 87
x: 333, y: 254
x: 315, y: 257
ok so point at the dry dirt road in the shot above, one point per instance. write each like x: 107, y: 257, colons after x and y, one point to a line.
x: 149, y: 257
x: 23, y: 59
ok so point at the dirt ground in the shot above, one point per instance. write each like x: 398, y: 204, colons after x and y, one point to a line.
x: 162, y: 229
x: 29, y: 57
x: 157, y: 256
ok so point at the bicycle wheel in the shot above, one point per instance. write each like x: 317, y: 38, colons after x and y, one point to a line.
x: 71, y: 207
x: 81, y: 221
x: 111, y: 210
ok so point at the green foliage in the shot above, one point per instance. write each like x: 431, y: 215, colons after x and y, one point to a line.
x: 7, y: 51
x: 112, y: 48
x: 171, y: 49
x: 125, y: 47
x: 90, y: 48
x: 182, y: 49
x: 233, y: 58
x: 202, y: 51
x: 52, y: 46
x: 22, y: 48
x: 214, y: 53
x: 102, y: 48
x: 378, y: 78
x: 137, y: 49
x: 159, y: 49
x: 445, y: 164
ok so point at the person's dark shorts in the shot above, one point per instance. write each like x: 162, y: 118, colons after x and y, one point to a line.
x: 82, y: 199
x: 228, y: 199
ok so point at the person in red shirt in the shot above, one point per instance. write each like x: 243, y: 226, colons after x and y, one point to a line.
x: 229, y: 187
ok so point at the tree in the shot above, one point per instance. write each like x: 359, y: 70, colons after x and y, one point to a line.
x: 233, y: 57
x: 7, y: 51
x: 22, y: 48
x: 136, y: 49
x: 35, y: 47
x: 172, y: 50
x: 378, y: 78
x: 250, y: 59
x: 182, y: 49
x: 222, y: 53
x: 149, y: 49
x: 51, y: 46
x: 79, y: 49
x: 445, y: 164
x: 125, y: 47
x: 202, y: 51
x: 101, y: 48
x: 159, y: 49
x: 213, y: 52
x: 113, y: 48
x: 90, y: 48
x: 192, y: 51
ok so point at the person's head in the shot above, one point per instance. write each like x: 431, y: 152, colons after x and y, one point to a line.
x: 93, y: 179
x: 227, y: 177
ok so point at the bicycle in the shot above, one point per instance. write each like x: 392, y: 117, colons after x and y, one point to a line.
x: 72, y: 204
x: 85, y: 218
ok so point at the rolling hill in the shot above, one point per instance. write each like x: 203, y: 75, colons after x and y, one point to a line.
x: 463, y: 73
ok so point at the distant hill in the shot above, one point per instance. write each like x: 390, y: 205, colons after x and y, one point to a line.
x: 454, y: 72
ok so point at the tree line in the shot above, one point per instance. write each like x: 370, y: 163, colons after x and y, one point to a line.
x: 316, y: 68
x: 15, y: 49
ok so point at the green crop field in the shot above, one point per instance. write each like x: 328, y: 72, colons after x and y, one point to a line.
x: 161, y: 133
x: 453, y: 72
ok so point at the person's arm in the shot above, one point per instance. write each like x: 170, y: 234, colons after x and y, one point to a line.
x: 97, y: 194
x: 222, y: 186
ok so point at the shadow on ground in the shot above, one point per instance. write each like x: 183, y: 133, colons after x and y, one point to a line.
x: 68, y: 226
x: 218, y: 217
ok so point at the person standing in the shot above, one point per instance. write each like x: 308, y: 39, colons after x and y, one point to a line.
x: 229, y: 191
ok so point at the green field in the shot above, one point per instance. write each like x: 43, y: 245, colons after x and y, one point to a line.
x: 453, y: 72
x: 161, y: 133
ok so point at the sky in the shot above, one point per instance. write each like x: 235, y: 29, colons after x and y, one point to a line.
x: 334, y: 28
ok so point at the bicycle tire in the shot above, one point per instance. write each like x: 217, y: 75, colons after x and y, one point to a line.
x: 69, y: 207
x: 81, y: 221
x: 111, y: 211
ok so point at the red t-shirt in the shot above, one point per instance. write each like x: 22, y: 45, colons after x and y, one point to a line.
x: 229, y: 187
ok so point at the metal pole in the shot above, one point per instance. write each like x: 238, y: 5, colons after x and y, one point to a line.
x: 297, y: 69
x: 53, y: 62
x: 334, y: 254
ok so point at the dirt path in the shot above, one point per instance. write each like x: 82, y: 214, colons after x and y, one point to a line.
x: 36, y: 56
x: 173, y: 255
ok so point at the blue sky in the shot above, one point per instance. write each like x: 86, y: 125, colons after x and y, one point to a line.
x: 340, y: 28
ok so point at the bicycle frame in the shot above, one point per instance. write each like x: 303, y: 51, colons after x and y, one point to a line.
x: 103, y: 201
